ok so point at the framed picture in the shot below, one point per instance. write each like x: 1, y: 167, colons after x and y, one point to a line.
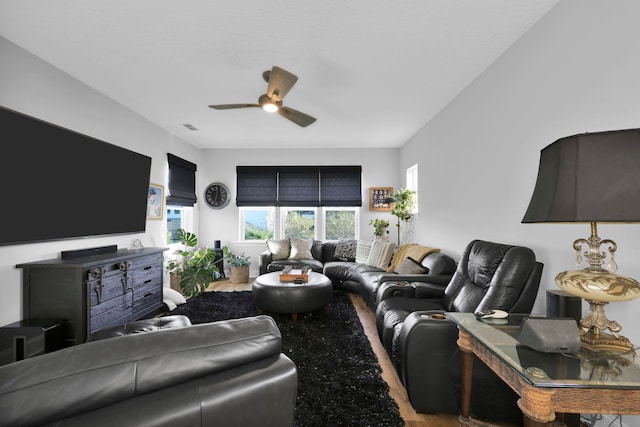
x: 155, y: 201
x: 377, y: 197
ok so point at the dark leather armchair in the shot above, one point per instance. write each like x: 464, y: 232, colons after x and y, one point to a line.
x: 421, y: 342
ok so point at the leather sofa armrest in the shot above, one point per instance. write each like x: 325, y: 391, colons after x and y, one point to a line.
x: 264, y: 261
x: 395, y: 289
x: 426, y: 356
x: 442, y: 279
x: 428, y: 290
x: 105, y: 372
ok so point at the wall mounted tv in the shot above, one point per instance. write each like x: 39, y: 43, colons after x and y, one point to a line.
x: 60, y: 184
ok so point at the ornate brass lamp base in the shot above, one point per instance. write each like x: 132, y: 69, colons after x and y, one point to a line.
x: 592, y: 327
x: 599, y: 286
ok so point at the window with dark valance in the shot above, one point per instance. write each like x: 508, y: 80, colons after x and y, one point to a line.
x: 182, y: 182
x: 299, y: 186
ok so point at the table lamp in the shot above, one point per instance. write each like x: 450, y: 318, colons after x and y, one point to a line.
x: 592, y: 178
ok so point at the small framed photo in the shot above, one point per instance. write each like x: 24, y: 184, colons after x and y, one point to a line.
x: 155, y: 201
x: 377, y: 197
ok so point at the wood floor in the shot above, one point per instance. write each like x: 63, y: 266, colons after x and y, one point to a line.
x: 396, y: 389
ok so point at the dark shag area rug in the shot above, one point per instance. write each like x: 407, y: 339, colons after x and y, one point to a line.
x: 339, y: 375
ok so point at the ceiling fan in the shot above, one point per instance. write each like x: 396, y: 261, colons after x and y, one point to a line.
x: 280, y: 83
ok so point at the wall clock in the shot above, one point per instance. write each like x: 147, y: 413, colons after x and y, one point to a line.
x: 216, y: 195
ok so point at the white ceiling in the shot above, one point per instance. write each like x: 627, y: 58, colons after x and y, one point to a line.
x: 372, y: 72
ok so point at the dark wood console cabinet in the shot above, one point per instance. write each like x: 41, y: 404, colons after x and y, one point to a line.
x: 94, y: 292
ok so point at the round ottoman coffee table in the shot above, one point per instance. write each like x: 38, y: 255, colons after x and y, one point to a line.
x: 271, y: 295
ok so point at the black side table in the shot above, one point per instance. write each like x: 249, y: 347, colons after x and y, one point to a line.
x: 29, y: 338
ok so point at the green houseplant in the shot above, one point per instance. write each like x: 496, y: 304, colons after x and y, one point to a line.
x: 195, y: 267
x: 380, y: 228
x: 238, y: 266
x: 404, y: 204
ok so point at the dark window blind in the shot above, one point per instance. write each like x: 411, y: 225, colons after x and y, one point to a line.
x: 256, y: 186
x: 299, y: 186
x: 340, y: 186
x: 182, y: 182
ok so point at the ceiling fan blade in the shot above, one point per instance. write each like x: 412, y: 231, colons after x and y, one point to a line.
x: 231, y: 106
x: 297, y: 117
x: 280, y: 83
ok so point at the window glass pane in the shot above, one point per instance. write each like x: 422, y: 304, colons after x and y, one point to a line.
x: 340, y: 224
x: 257, y: 223
x: 299, y: 223
x: 174, y: 222
x: 412, y: 184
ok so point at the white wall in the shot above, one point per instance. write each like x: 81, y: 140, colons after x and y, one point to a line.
x: 379, y: 169
x: 34, y: 87
x: 576, y: 71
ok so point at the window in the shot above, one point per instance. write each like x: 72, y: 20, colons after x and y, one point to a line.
x: 298, y: 222
x: 412, y: 184
x: 178, y: 217
x: 174, y: 222
x: 340, y: 223
x: 306, y: 202
x: 257, y: 223
x: 331, y: 223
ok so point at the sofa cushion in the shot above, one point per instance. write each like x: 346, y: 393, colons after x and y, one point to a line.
x: 280, y: 264
x: 316, y: 250
x: 300, y: 248
x: 279, y: 249
x: 346, y: 250
x: 339, y: 271
x: 410, y: 266
x: 363, y: 248
x: 413, y: 250
x: 381, y: 253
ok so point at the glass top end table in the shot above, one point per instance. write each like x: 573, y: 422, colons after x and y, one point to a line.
x: 547, y: 383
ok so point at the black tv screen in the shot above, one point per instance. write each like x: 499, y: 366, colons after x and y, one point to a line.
x: 60, y: 184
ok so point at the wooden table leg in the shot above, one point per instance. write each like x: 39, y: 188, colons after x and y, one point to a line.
x: 466, y: 369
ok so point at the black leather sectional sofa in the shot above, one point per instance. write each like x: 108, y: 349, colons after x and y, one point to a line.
x: 360, y: 277
x: 411, y: 316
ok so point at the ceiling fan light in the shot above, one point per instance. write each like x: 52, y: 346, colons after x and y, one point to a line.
x: 271, y: 108
x: 268, y: 104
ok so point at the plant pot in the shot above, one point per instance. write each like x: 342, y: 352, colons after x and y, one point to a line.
x: 239, y: 274
x: 174, y: 282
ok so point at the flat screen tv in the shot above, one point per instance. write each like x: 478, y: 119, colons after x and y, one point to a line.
x: 60, y: 184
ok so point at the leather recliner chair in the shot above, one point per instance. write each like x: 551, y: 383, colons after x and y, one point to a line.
x: 421, y: 342
x: 230, y: 373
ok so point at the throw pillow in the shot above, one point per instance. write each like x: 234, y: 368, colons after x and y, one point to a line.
x: 346, y: 250
x: 399, y: 255
x: 381, y: 253
x: 279, y: 249
x: 300, y: 249
x: 410, y: 266
x: 363, y: 248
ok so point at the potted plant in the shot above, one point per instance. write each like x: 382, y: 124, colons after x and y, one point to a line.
x: 194, y: 268
x: 238, y: 266
x: 403, y: 206
x: 381, y: 228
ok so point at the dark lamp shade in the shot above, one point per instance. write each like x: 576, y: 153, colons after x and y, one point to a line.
x: 590, y: 177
